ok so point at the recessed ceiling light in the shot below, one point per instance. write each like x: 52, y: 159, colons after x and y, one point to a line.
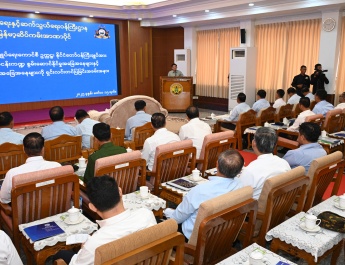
x: 251, y: 4
x: 139, y: 18
x: 174, y: 15
x: 91, y: 16
x: 37, y: 12
x: 207, y: 10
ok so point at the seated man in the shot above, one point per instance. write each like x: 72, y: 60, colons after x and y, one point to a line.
x: 261, y: 102
x: 229, y: 165
x: 106, y: 200
x: 195, y: 129
x: 309, y: 149
x: 235, y: 113
x: 102, y: 134
x: 293, y: 97
x: 58, y: 127
x: 279, y: 99
x: 322, y: 106
x: 341, y: 104
x: 7, y: 135
x: 161, y: 136
x: 139, y: 119
x: 304, y: 104
x: 266, y: 165
x: 34, y: 148
x: 306, y: 93
x: 84, y: 128
x: 8, y: 253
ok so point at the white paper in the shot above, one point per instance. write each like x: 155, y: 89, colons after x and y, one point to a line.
x: 77, y: 238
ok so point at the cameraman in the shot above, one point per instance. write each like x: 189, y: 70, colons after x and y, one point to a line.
x: 318, y: 78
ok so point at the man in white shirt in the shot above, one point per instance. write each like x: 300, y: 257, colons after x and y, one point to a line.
x: 279, y: 99
x: 341, y: 104
x: 139, y: 119
x: 7, y: 135
x: 294, y: 98
x: 322, y: 106
x: 195, y: 129
x: 261, y: 102
x: 304, y: 104
x: 8, y: 253
x: 161, y: 136
x: 306, y: 93
x: 241, y: 107
x: 106, y: 200
x: 266, y: 165
x: 34, y: 148
x: 84, y: 127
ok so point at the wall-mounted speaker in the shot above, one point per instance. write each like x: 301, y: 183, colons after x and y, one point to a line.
x: 243, y: 36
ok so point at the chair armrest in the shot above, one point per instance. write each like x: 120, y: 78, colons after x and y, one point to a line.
x: 189, y: 249
x: 6, y: 208
x: 130, y: 144
x: 287, y: 132
x: 59, y: 262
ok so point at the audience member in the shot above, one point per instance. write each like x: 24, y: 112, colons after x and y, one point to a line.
x: 161, y: 136
x: 102, y: 134
x: 8, y: 253
x: 34, y: 148
x: 7, y: 135
x: 293, y: 97
x: 279, y: 99
x: 261, y: 102
x: 84, y: 128
x: 322, y: 106
x: 306, y: 93
x: 266, y: 165
x: 195, y: 129
x: 341, y: 104
x: 300, y: 81
x: 106, y: 200
x: 229, y: 165
x: 139, y: 119
x: 241, y: 107
x: 309, y: 149
x: 58, y: 127
x: 304, y: 104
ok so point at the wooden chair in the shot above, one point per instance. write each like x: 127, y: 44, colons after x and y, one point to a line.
x: 140, y: 134
x: 265, y: 115
x: 296, y: 110
x: 11, y: 155
x: 37, y: 195
x: 246, y: 120
x: 65, y: 148
x: 283, y: 112
x: 217, y: 225
x: 312, y: 104
x: 125, y: 168
x: 213, y: 145
x: 117, y: 138
x: 150, y: 246
x: 276, y: 200
x: 171, y: 162
x: 333, y: 121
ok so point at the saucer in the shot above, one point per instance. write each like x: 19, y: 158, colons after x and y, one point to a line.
x: 336, y: 205
x: 314, y: 230
x: 67, y: 221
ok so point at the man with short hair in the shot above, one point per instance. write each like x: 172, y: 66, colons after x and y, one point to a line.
x: 229, y: 165
x: 8, y: 253
x: 117, y: 222
x: 59, y: 127
x: 318, y: 78
x: 304, y: 104
x: 195, y: 129
x: 306, y: 93
x: 34, y: 148
x: 293, y: 97
x: 301, y: 81
x: 266, y: 165
x: 139, y: 119
x: 161, y: 136
x: 7, y: 135
x: 261, y: 102
x: 279, y: 99
x: 102, y: 134
x: 341, y: 104
x: 84, y: 127
x: 309, y: 149
x: 174, y: 72
x: 322, y: 106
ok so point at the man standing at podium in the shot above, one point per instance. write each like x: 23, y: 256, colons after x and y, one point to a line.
x: 174, y: 72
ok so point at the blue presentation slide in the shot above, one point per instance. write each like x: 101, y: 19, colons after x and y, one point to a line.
x: 44, y: 60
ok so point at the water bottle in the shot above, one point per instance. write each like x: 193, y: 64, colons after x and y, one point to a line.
x: 81, y: 204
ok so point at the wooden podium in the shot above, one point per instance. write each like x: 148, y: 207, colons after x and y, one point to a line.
x: 176, y: 93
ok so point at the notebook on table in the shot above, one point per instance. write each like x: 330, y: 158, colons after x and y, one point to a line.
x: 42, y: 231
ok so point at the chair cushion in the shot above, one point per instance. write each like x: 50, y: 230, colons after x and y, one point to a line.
x: 214, y: 137
x: 117, y: 159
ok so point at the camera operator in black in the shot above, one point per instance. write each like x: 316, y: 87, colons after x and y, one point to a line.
x: 318, y: 78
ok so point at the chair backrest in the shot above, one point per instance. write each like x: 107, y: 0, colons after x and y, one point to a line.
x: 245, y: 120
x: 212, y: 146
x: 296, y: 110
x: 151, y: 246
x: 333, y: 121
x: 140, y: 134
x: 284, y: 112
x: 278, y: 196
x: 11, y: 155
x: 265, y: 115
x: 317, y: 118
x: 321, y: 174
x: 65, y: 148
x: 171, y: 161
x: 117, y: 138
x: 41, y: 194
x: 124, y: 168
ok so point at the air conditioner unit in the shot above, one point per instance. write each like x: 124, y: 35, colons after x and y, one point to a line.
x: 182, y: 59
x: 242, y: 77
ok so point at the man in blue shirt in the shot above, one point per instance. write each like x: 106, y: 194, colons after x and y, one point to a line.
x: 309, y: 149
x: 139, y: 119
x: 229, y: 165
x: 7, y: 135
x: 322, y: 106
x: 261, y: 102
